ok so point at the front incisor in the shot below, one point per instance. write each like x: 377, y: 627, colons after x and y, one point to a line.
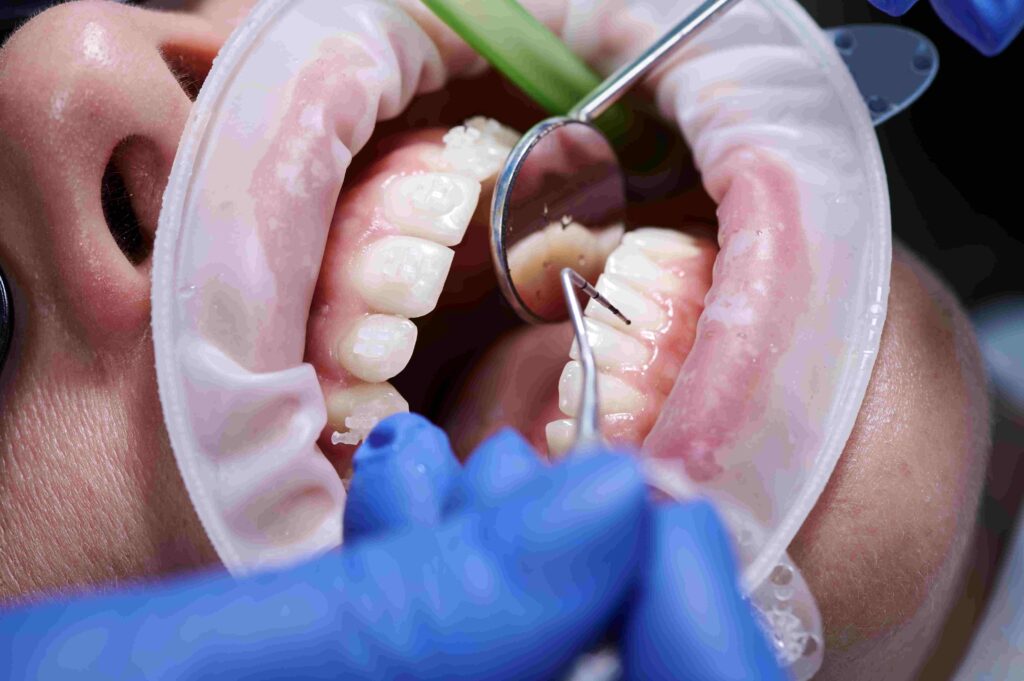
x: 403, y: 275
x: 435, y: 206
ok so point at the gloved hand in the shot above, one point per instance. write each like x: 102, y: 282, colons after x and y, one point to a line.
x: 989, y: 25
x: 507, y: 569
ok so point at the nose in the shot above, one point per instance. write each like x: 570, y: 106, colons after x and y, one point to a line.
x: 93, y: 99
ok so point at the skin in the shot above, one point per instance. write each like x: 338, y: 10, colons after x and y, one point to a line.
x: 89, y: 490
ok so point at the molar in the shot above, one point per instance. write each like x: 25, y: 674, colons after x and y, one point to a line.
x: 613, y: 350
x: 378, y: 347
x: 616, y: 396
x: 403, y: 275
x: 435, y: 206
x: 644, y: 313
x: 354, y: 411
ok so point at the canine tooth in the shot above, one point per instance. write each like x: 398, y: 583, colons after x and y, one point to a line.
x: 635, y: 266
x: 616, y: 396
x: 478, y: 148
x: 355, y: 411
x: 378, y: 347
x: 403, y: 275
x: 436, y: 206
x: 662, y: 245
x: 643, y: 312
x: 613, y: 349
x: 560, y: 435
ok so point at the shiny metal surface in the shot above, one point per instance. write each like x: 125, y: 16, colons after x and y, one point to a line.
x: 562, y: 171
x: 565, y: 171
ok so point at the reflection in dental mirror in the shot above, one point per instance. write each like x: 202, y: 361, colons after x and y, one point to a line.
x: 559, y: 202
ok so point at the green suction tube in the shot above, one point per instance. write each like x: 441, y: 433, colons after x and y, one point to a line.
x: 528, y: 54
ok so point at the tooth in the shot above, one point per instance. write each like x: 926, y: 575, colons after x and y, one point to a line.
x: 435, y: 206
x: 403, y: 275
x: 613, y: 349
x: 644, y: 313
x: 535, y: 261
x: 615, y: 395
x: 662, y: 245
x: 354, y: 411
x: 378, y: 347
x: 560, y: 435
x: 478, y: 148
x: 635, y: 266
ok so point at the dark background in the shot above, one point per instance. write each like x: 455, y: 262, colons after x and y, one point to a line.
x: 954, y: 159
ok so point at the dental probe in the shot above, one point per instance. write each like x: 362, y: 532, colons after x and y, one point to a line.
x: 587, y: 432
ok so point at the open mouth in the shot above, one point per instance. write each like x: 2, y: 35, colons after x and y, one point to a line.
x: 746, y: 359
x: 477, y: 368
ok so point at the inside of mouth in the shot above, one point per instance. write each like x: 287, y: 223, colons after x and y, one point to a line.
x: 451, y: 377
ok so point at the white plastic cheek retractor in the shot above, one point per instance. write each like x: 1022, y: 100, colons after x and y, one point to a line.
x: 292, y: 96
x: 770, y: 110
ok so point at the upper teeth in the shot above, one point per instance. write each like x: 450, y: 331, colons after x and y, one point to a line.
x: 435, y: 206
x: 378, y: 347
x: 478, y: 148
x: 401, y: 275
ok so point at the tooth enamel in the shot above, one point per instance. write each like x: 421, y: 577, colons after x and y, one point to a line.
x: 535, y: 261
x: 403, y: 275
x: 378, y: 347
x: 560, y: 435
x: 643, y: 312
x: 478, y: 148
x: 616, y: 396
x: 613, y: 349
x: 436, y: 206
x: 634, y: 265
x: 355, y: 411
x: 662, y: 245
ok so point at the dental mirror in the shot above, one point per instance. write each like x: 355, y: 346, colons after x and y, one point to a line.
x: 560, y: 199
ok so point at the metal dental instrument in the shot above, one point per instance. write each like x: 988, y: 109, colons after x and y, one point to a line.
x: 574, y: 163
x: 587, y: 432
x: 566, y: 167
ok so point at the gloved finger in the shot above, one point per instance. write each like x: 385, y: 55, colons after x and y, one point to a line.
x: 499, y: 467
x: 512, y: 592
x: 405, y: 473
x: 688, y: 620
x: 894, y: 8
x: 989, y: 26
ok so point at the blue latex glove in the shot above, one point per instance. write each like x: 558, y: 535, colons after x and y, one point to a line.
x: 507, y: 569
x: 989, y: 25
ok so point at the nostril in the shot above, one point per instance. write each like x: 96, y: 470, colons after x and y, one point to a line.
x: 120, y: 205
x: 189, y: 64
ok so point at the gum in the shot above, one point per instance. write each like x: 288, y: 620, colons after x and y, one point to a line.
x: 669, y: 344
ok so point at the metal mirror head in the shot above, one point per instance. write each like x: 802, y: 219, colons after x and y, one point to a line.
x: 559, y: 202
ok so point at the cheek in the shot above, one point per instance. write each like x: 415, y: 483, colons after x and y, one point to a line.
x: 884, y: 546
x: 89, y: 489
